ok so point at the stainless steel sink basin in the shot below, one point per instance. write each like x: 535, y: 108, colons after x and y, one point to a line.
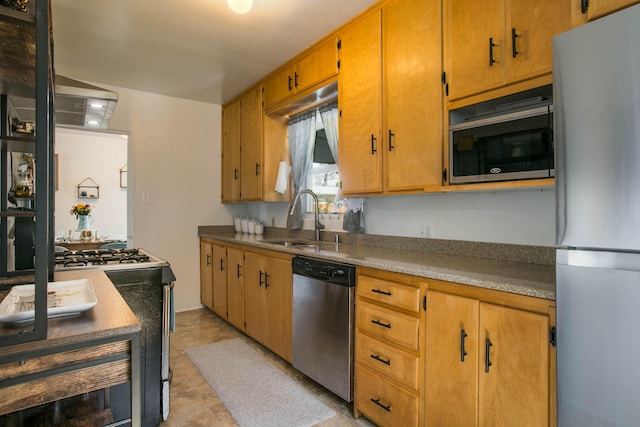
x: 292, y: 243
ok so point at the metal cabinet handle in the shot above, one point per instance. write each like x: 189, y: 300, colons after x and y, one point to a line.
x: 260, y: 279
x: 221, y: 264
x: 373, y: 144
x: 487, y: 354
x: 379, y: 323
x: 235, y: 174
x: 257, y: 169
x: 208, y: 259
x: 491, y: 46
x: 391, y: 135
x: 385, y: 407
x: 463, y: 353
x: 380, y: 359
x: 584, y: 6
x: 378, y: 291
x: 266, y: 280
x: 295, y: 79
x: 238, y: 272
x: 289, y: 85
x: 514, y: 49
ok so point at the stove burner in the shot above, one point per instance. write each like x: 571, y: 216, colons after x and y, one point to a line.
x: 99, y: 257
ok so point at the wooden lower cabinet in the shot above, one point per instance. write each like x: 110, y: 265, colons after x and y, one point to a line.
x: 219, y: 255
x: 268, y: 301
x: 206, y: 273
x: 389, y: 348
x: 235, y: 287
x: 488, y: 364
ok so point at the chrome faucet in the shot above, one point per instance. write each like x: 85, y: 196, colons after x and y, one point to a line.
x: 318, y: 226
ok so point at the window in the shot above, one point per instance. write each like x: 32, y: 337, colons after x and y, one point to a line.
x: 323, y: 177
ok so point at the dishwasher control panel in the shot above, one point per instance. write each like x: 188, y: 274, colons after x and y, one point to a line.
x: 324, y: 270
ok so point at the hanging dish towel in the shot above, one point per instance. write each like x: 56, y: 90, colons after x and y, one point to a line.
x: 353, y: 220
x: 282, y: 179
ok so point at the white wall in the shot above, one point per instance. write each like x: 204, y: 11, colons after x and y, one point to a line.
x: 98, y: 155
x: 175, y: 161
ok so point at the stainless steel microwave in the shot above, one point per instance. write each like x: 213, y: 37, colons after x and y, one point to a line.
x: 503, y: 147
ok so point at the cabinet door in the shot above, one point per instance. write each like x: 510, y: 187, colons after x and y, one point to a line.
x: 530, y: 27
x: 279, y: 289
x: 320, y: 64
x: 412, y: 94
x: 359, y: 97
x: 231, y: 152
x: 255, y: 298
x: 235, y: 287
x: 206, y: 274
x: 279, y: 86
x: 220, y: 280
x: 451, y: 360
x: 251, y: 144
x: 514, y: 379
x: 598, y: 8
x: 469, y: 25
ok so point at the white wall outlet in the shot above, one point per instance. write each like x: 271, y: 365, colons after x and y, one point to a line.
x: 145, y: 197
x: 425, y: 231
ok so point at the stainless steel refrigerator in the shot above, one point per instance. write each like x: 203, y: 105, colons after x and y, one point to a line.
x: 597, y: 137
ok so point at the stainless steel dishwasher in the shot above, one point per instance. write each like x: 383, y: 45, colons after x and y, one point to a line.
x: 323, y: 316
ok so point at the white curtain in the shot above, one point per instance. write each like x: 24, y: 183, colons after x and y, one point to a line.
x: 302, y: 137
x: 329, y: 115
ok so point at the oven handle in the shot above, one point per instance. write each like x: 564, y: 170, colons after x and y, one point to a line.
x: 167, y: 308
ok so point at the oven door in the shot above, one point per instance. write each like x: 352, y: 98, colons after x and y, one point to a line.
x: 503, y: 148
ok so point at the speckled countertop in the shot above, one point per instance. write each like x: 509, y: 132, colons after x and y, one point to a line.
x: 523, y: 270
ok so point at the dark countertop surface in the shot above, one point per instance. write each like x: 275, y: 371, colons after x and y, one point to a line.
x: 524, y: 278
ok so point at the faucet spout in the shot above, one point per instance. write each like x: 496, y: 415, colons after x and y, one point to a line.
x: 318, y: 225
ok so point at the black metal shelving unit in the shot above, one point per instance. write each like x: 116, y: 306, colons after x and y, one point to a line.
x: 26, y: 71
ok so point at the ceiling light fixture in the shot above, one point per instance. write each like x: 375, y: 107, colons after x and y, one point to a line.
x: 240, y: 6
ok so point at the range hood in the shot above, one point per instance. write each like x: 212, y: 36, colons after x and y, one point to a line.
x: 76, y: 104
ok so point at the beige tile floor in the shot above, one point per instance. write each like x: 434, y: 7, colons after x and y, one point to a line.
x: 194, y: 403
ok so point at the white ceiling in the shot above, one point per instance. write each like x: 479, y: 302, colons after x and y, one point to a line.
x: 193, y: 49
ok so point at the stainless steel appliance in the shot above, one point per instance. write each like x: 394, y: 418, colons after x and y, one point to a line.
x: 146, y: 284
x: 508, y: 142
x: 597, y: 99
x: 323, y: 316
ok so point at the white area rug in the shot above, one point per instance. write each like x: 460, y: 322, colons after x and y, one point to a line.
x: 254, y: 390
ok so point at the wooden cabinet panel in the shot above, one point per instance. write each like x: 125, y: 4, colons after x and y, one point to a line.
x: 279, y: 86
x: 235, y: 287
x: 514, y: 382
x: 395, y: 294
x: 231, y: 152
x: 255, y: 298
x: 452, y: 379
x: 388, y: 324
x: 469, y: 25
x: 251, y: 144
x: 384, y: 403
x: 534, y: 23
x: 220, y: 280
x: 360, y: 103
x: 206, y: 274
x: 400, y: 365
x: 598, y: 8
x: 412, y: 94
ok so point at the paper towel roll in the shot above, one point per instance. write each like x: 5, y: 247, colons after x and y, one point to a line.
x: 283, y: 177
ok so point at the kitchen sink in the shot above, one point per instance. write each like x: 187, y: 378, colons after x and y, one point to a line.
x: 292, y: 243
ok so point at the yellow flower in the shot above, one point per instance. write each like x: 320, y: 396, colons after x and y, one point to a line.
x: 81, y: 209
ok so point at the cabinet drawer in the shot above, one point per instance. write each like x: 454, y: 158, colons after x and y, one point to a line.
x: 388, y: 360
x: 387, y: 324
x: 384, y: 403
x: 400, y: 296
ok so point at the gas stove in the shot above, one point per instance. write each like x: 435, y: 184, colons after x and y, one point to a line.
x: 106, y: 259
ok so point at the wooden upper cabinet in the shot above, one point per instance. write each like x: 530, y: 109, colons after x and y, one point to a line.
x: 412, y: 94
x: 492, y: 44
x: 251, y: 163
x: 390, y: 99
x: 360, y: 101
x: 599, y: 8
x: 530, y: 27
x: 471, y: 65
x: 313, y: 67
x: 231, y: 152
